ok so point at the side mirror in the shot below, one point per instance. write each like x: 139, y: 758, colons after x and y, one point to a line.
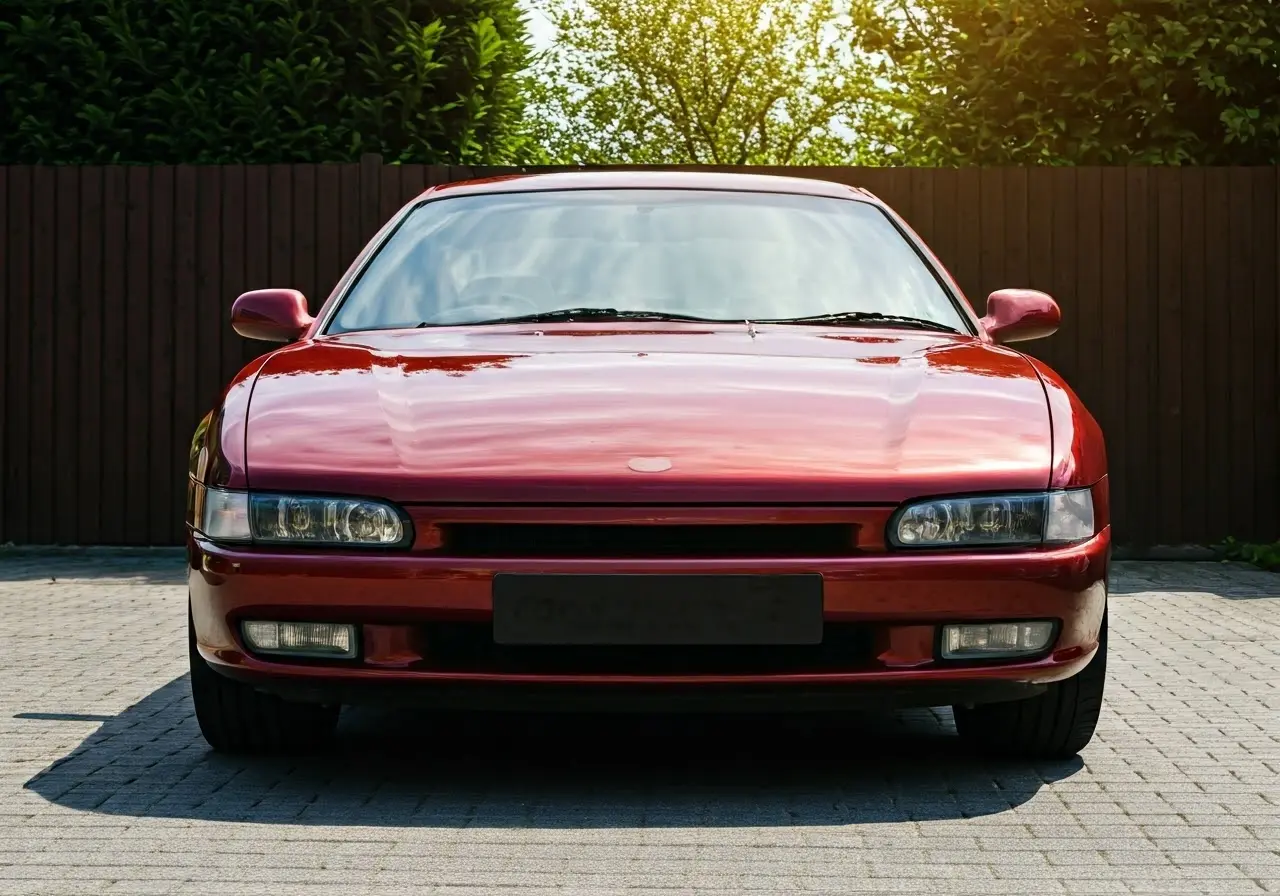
x: 1016, y: 315
x: 272, y: 315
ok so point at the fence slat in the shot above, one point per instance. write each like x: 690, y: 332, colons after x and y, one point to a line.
x: 874, y: 179
x: 991, y: 246
x: 4, y: 350
x: 898, y: 190
x: 413, y: 180
x: 254, y: 208
x: 389, y: 195
x: 351, y: 238
x: 923, y: 205
x: 163, y: 466
x: 114, y: 527
x: 370, y: 180
x: 1240, y: 355
x: 1090, y: 315
x: 1217, y: 238
x: 281, y: 192
x: 1062, y: 242
x: 303, y: 244
x: 137, y: 460
x: 1013, y: 235
x: 212, y: 192
x: 1040, y: 250
x: 44, y: 234
x: 1168, y: 423
x: 67, y: 356
x: 186, y: 334
x: 240, y: 227
x: 1139, y: 354
x: 1266, y: 295
x: 1190, y: 353
x: 20, y: 409
x: 281, y: 259
x: 1113, y: 416
x: 329, y: 255
x: 946, y: 226
x: 968, y: 263
x: 89, y: 389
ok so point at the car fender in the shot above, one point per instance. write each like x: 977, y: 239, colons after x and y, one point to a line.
x: 1078, y: 451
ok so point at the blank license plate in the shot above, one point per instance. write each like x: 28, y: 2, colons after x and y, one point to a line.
x: 657, y: 609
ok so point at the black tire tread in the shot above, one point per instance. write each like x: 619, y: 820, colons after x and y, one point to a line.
x: 1057, y: 724
x: 236, y: 718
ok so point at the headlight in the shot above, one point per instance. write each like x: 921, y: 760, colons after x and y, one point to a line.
x: 292, y: 519
x: 1058, y: 517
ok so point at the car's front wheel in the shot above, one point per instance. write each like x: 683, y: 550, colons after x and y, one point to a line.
x: 1056, y: 724
x: 236, y: 718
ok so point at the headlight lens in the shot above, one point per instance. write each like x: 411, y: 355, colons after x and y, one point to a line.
x: 293, y: 519
x: 286, y: 518
x: 1059, y: 517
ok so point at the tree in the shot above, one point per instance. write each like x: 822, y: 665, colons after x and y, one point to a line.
x: 209, y: 81
x: 998, y: 82
x: 729, y: 82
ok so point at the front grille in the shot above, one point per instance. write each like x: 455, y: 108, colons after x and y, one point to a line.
x: 640, y: 541
x: 469, y: 647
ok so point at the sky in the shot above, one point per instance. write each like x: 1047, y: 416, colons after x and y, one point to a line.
x: 541, y: 31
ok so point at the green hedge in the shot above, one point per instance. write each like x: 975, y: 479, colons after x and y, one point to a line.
x: 220, y: 81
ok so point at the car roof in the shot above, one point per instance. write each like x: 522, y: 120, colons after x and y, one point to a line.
x: 653, y: 180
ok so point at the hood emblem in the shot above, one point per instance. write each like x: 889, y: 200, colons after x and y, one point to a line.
x: 649, y: 464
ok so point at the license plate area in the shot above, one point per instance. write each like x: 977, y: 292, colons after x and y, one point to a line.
x: 655, y: 610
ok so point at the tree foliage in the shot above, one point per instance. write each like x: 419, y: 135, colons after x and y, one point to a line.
x: 208, y: 81
x: 729, y: 82
x: 1078, y: 81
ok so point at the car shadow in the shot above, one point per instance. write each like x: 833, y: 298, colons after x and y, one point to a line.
x: 406, y: 768
x: 1227, y: 580
x: 105, y: 566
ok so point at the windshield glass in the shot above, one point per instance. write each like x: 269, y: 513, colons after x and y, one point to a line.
x: 709, y: 254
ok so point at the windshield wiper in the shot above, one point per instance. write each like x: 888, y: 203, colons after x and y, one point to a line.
x: 863, y: 317
x: 575, y: 314
x: 572, y: 314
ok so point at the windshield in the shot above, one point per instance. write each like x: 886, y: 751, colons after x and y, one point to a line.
x: 695, y: 253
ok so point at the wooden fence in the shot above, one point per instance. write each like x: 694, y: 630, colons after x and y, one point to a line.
x: 116, y: 282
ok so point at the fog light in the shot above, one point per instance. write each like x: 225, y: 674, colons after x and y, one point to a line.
x: 325, y: 639
x: 996, y: 640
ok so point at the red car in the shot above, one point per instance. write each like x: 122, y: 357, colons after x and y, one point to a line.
x: 626, y: 440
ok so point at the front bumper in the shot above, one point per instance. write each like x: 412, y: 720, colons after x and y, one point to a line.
x: 900, y: 600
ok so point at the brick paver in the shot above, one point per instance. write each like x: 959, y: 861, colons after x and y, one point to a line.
x: 106, y: 786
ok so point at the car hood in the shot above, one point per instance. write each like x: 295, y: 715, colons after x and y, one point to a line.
x: 671, y: 413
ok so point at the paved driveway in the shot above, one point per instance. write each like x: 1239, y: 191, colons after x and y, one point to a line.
x: 106, y: 786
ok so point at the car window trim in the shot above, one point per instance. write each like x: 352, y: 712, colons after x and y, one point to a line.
x: 353, y: 276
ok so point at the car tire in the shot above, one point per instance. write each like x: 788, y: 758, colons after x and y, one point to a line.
x: 1056, y: 724
x: 236, y: 718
